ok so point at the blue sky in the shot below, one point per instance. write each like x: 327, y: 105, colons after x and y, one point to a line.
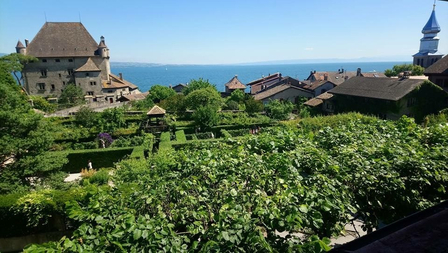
x: 235, y: 31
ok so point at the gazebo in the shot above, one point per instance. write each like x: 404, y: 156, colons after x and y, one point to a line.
x: 154, y: 121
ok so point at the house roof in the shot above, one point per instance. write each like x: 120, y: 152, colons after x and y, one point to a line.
x: 334, y: 77
x: 319, y: 99
x: 439, y: 67
x: 265, y: 79
x: 432, y: 26
x: 379, y: 88
x: 88, y: 66
x: 234, y: 84
x: 180, y: 85
x: 309, y: 85
x: 156, y: 110
x: 275, y: 90
x: 373, y: 74
x: 19, y: 44
x: 62, y: 39
x: 134, y: 97
x: 117, y: 83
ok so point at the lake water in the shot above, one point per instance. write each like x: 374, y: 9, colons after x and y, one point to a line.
x: 147, y: 75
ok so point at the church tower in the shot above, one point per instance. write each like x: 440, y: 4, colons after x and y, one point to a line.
x: 426, y: 56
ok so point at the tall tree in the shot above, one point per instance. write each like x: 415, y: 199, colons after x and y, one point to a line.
x: 196, y: 85
x: 72, y: 95
x: 158, y: 93
x: 203, y: 97
x: 14, y: 63
x: 25, y: 138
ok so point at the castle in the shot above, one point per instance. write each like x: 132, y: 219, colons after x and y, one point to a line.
x: 68, y: 54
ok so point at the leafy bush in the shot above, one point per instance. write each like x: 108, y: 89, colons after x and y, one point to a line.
x: 225, y: 133
x: 100, y: 177
x: 253, y: 106
x: 138, y: 153
x: 158, y: 93
x: 42, y: 104
x: 206, y: 117
x: 86, y: 117
x: 180, y: 136
x: 104, y: 140
x: 279, y: 110
x: 232, y: 105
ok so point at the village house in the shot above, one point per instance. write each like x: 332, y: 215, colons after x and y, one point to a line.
x: 438, y: 73
x: 271, y: 81
x: 283, y: 92
x: 388, y: 98
x: 234, y: 84
x: 67, y: 54
x: 178, y: 88
x: 321, y: 82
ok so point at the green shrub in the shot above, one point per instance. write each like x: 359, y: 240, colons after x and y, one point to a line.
x: 225, y: 133
x: 101, y: 177
x: 138, y: 153
x: 100, y: 158
x: 180, y: 136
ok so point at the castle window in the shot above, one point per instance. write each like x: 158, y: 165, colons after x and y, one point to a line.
x: 52, y: 87
x: 90, y: 93
x: 92, y: 83
x: 87, y: 74
x: 44, y: 60
x: 70, y: 71
x: 41, y: 86
x: 70, y: 60
x: 60, y: 75
x: 57, y: 60
x: 63, y: 83
x: 43, y: 73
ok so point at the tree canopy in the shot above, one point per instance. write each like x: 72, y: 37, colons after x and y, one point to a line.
x: 196, y: 85
x: 203, y: 97
x: 415, y: 70
x: 158, y: 93
x: 14, y: 63
x: 72, y: 95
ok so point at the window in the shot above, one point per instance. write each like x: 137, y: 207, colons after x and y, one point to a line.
x: 52, y: 87
x: 57, y: 60
x: 90, y: 93
x: 110, y: 91
x: 411, y: 101
x: 60, y: 75
x: 63, y: 83
x: 43, y: 73
x: 44, y: 60
x: 87, y: 74
x: 70, y: 71
x: 70, y: 60
x: 92, y: 83
x: 41, y: 86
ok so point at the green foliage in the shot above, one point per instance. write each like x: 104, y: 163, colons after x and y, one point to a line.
x: 231, y: 105
x: 138, y: 153
x: 430, y: 99
x: 111, y: 119
x: 416, y: 70
x: 71, y: 95
x: 225, y: 133
x: 206, y: 116
x: 243, y: 119
x: 25, y: 138
x: 279, y: 110
x: 42, y: 104
x: 142, y: 105
x: 237, y: 96
x: 165, y: 142
x: 101, y: 177
x: 101, y: 158
x: 197, y: 85
x: 86, y: 117
x: 203, y: 97
x: 180, y: 136
x: 253, y: 106
x: 14, y: 63
x: 158, y: 93
x: 174, y: 104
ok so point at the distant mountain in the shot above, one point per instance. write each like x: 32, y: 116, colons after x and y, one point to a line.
x: 333, y: 60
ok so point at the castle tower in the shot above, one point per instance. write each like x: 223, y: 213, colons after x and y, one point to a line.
x: 104, y: 53
x: 426, y: 56
x: 20, y: 48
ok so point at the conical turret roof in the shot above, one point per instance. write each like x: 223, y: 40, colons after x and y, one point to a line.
x: 432, y: 26
x: 20, y: 45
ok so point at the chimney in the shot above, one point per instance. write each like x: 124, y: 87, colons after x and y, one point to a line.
x: 358, y: 72
x: 406, y: 74
x: 326, y: 77
x: 26, y: 42
x: 121, y: 76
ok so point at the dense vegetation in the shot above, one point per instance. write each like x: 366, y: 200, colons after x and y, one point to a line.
x: 415, y: 70
x: 237, y: 194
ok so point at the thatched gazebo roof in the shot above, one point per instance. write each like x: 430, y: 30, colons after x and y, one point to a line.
x: 156, y: 111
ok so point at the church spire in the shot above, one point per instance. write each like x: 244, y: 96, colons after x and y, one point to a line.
x: 432, y: 26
